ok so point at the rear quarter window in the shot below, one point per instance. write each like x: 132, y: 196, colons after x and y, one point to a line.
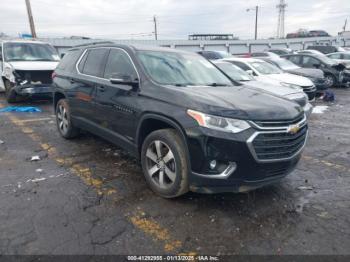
x: 69, y: 60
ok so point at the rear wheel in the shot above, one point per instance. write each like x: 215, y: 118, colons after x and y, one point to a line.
x: 164, y: 163
x: 64, y: 122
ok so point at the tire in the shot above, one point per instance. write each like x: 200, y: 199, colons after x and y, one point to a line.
x: 63, y: 119
x: 331, y: 81
x: 11, y: 95
x: 163, y: 155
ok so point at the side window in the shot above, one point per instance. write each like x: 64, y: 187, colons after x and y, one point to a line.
x: 0, y: 52
x: 334, y: 56
x: 69, y: 60
x: 346, y: 56
x: 310, y: 61
x: 294, y: 59
x: 241, y: 65
x: 95, y: 62
x: 119, y: 64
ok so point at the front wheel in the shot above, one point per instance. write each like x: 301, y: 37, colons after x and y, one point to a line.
x: 64, y: 122
x: 165, y: 164
x: 330, y: 81
x: 11, y: 95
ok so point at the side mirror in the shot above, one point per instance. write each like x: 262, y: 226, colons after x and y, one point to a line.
x: 118, y: 79
x: 62, y: 55
x: 317, y: 65
x: 250, y: 72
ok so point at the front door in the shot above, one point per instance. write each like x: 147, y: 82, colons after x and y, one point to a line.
x: 116, y: 102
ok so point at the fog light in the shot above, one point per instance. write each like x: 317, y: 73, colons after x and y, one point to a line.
x: 212, y: 164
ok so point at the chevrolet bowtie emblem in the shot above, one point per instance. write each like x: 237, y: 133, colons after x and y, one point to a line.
x: 293, y: 129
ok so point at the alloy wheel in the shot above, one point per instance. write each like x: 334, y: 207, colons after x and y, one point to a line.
x: 62, y: 119
x: 329, y: 81
x: 160, y: 164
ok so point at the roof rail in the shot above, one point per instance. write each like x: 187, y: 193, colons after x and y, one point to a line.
x: 94, y: 43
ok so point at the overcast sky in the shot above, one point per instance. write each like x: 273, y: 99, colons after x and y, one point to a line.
x: 124, y: 19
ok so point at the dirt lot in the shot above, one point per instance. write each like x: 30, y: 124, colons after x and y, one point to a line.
x: 86, y: 196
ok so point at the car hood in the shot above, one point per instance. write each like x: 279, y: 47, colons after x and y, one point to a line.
x: 275, y: 89
x: 240, y: 102
x: 34, y: 65
x: 291, y: 79
x: 307, y: 72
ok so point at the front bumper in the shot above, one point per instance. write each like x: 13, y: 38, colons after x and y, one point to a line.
x: 310, y: 91
x: 31, y: 90
x: 238, y: 169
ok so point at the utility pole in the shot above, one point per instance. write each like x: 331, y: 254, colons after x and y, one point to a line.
x: 345, y: 24
x: 31, y: 20
x: 256, y: 20
x: 155, y: 27
x: 281, y: 11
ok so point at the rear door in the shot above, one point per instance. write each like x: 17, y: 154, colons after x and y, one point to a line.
x: 116, y: 102
x: 90, y: 71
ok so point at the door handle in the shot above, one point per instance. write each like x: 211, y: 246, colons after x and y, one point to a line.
x: 72, y: 81
x: 101, y: 88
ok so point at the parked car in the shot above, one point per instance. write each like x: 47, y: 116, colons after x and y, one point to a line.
x: 341, y: 57
x: 335, y: 73
x: 318, y: 33
x: 26, y: 69
x: 281, y: 51
x: 264, y: 54
x: 326, y: 49
x: 190, y: 125
x: 213, y: 55
x: 315, y: 75
x: 268, y: 73
x: 313, y: 52
x: 237, y: 74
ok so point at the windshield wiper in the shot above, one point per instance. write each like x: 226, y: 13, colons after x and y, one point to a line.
x: 216, y: 84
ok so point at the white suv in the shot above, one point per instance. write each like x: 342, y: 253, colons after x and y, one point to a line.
x: 26, y: 68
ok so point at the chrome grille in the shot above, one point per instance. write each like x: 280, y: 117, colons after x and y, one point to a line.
x: 277, y: 142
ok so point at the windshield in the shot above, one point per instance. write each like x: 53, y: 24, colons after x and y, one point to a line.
x: 182, y: 69
x: 234, y: 72
x: 265, y: 68
x: 29, y: 52
x: 285, y: 64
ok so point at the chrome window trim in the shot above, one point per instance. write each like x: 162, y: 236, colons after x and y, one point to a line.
x: 102, y: 78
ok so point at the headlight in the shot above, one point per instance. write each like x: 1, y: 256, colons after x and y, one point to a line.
x: 291, y: 86
x: 8, y: 72
x: 297, y: 97
x: 219, y: 123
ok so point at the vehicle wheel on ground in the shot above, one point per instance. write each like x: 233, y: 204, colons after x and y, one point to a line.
x: 330, y: 80
x: 165, y: 163
x: 11, y: 95
x: 64, y: 123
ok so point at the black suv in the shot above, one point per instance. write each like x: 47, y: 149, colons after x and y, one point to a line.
x: 191, y: 126
x: 335, y: 73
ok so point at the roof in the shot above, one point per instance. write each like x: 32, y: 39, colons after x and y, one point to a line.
x: 243, y: 59
x: 133, y: 47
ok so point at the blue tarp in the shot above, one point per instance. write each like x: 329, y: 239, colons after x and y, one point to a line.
x: 30, y: 109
